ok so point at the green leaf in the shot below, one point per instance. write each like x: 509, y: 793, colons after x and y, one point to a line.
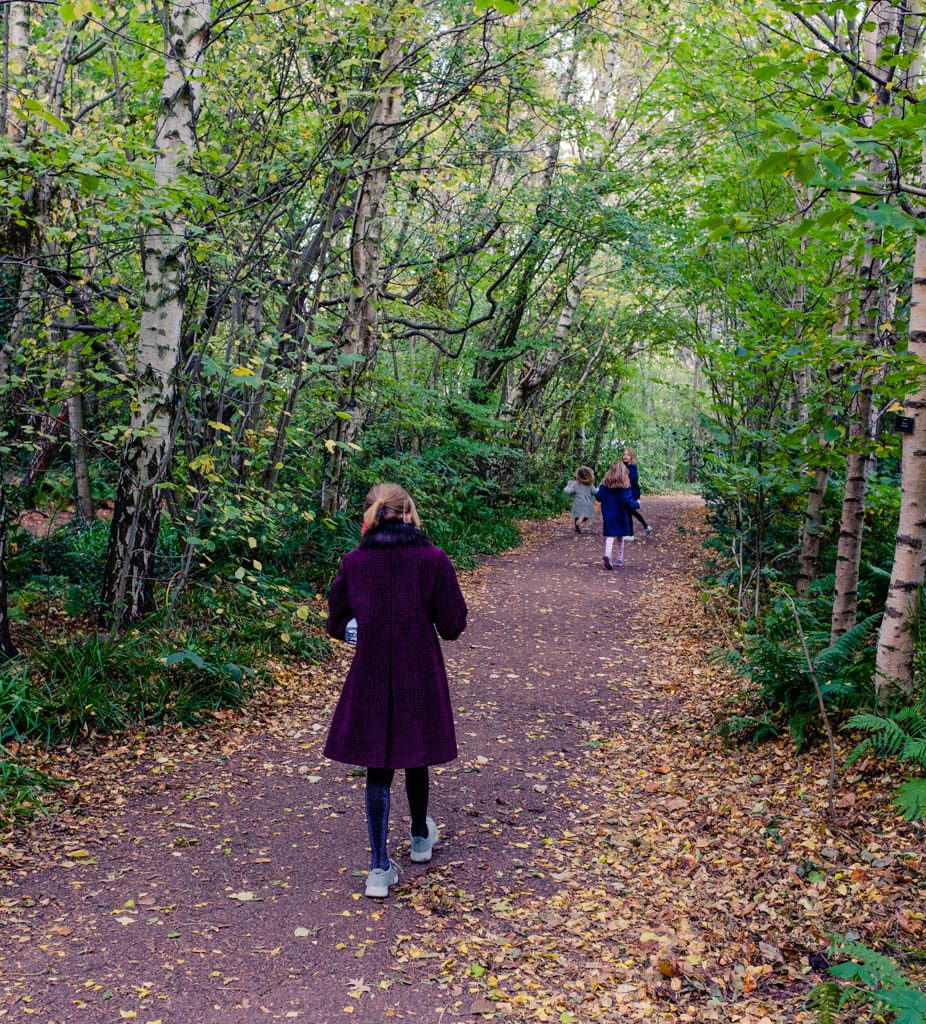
x: 33, y: 106
x: 506, y: 6
x: 911, y: 799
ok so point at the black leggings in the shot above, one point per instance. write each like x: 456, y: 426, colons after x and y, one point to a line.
x: 378, y: 792
x: 637, y: 514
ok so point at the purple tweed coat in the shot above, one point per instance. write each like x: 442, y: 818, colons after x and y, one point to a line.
x: 395, y: 710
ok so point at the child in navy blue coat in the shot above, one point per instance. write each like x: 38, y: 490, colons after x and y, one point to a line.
x: 630, y: 461
x: 617, y: 502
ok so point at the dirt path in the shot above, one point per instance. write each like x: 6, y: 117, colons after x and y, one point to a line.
x: 226, y: 887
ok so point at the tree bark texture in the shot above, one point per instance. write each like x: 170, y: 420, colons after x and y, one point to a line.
x: 85, y: 511
x: 128, y: 587
x: 810, y: 533
x: 360, y: 329
x: 7, y: 647
x: 855, y: 493
x: 896, y: 640
x: 16, y: 46
x: 858, y: 463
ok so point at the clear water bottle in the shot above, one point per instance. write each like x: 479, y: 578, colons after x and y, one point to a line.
x: 350, y: 633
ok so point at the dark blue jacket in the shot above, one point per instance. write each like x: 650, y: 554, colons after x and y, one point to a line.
x: 616, y: 504
x: 634, y: 480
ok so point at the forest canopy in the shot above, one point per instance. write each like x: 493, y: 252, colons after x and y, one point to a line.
x: 259, y: 256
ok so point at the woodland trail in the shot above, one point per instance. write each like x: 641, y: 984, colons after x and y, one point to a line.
x: 221, y: 881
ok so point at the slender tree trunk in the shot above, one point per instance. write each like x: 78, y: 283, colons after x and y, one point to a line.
x: 810, y: 533
x: 128, y: 586
x: 491, y: 364
x: 539, y: 371
x: 360, y: 330
x: 896, y: 640
x: 858, y: 464
x: 7, y: 647
x: 855, y: 494
x: 16, y: 23
x: 84, y: 505
x: 812, y: 525
x: 693, y: 445
x: 299, y: 315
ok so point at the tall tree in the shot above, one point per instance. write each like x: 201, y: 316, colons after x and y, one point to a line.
x: 128, y: 586
x: 899, y: 627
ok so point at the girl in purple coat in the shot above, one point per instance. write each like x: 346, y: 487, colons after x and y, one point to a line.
x: 395, y: 710
x: 617, y: 501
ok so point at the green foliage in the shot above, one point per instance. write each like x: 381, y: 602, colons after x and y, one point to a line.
x: 773, y: 659
x: 69, y: 691
x: 22, y: 788
x: 868, y: 982
x: 898, y: 734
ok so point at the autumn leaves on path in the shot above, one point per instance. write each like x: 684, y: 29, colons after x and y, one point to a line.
x: 604, y: 857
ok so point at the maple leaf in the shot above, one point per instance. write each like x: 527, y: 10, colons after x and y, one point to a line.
x: 357, y: 988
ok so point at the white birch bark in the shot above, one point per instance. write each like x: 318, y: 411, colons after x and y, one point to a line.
x: 129, y: 581
x: 858, y: 463
x: 17, y: 16
x: 894, y: 665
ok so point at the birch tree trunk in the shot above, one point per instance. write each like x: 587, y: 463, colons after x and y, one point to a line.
x: 813, y: 512
x: 16, y: 22
x: 858, y: 463
x: 7, y: 647
x: 128, y: 585
x: 75, y: 403
x: 360, y: 329
x: 894, y: 665
x: 16, y: 38
x: 810, y: 533
x: 858, y: 468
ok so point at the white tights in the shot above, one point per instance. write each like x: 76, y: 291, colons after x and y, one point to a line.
x: 609, y: 546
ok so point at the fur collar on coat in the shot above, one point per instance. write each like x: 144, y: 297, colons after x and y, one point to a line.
x: 393, y: 534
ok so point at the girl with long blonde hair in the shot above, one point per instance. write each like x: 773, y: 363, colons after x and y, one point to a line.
x: 395, y: 709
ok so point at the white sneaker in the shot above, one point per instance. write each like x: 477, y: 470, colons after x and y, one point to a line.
x: 378, y: 881
x: 630, y: 539
x: 423, y: 846
x: 647, y: 530
x: 619, y: 562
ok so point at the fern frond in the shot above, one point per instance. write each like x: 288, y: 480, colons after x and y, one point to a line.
x: 914, y: 750
x: 825, y: 1000
x: 911, y: 799
x: 860, y: 750
x: 889, y: 738
x: 830, y: 662
x: 911, y: 717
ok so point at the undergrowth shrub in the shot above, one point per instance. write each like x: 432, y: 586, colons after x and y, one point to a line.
x: 897, y: 734
x: 866, y: 985
x: 22, y: 788
x: 783, y: 694
x: 65, y: 692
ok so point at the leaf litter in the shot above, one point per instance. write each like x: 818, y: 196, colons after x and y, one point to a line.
x: 608, y: 859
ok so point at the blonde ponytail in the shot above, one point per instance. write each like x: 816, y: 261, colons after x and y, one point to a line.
x: 386, y: 502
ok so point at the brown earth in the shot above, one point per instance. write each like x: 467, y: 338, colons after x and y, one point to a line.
x: 604, y: 858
